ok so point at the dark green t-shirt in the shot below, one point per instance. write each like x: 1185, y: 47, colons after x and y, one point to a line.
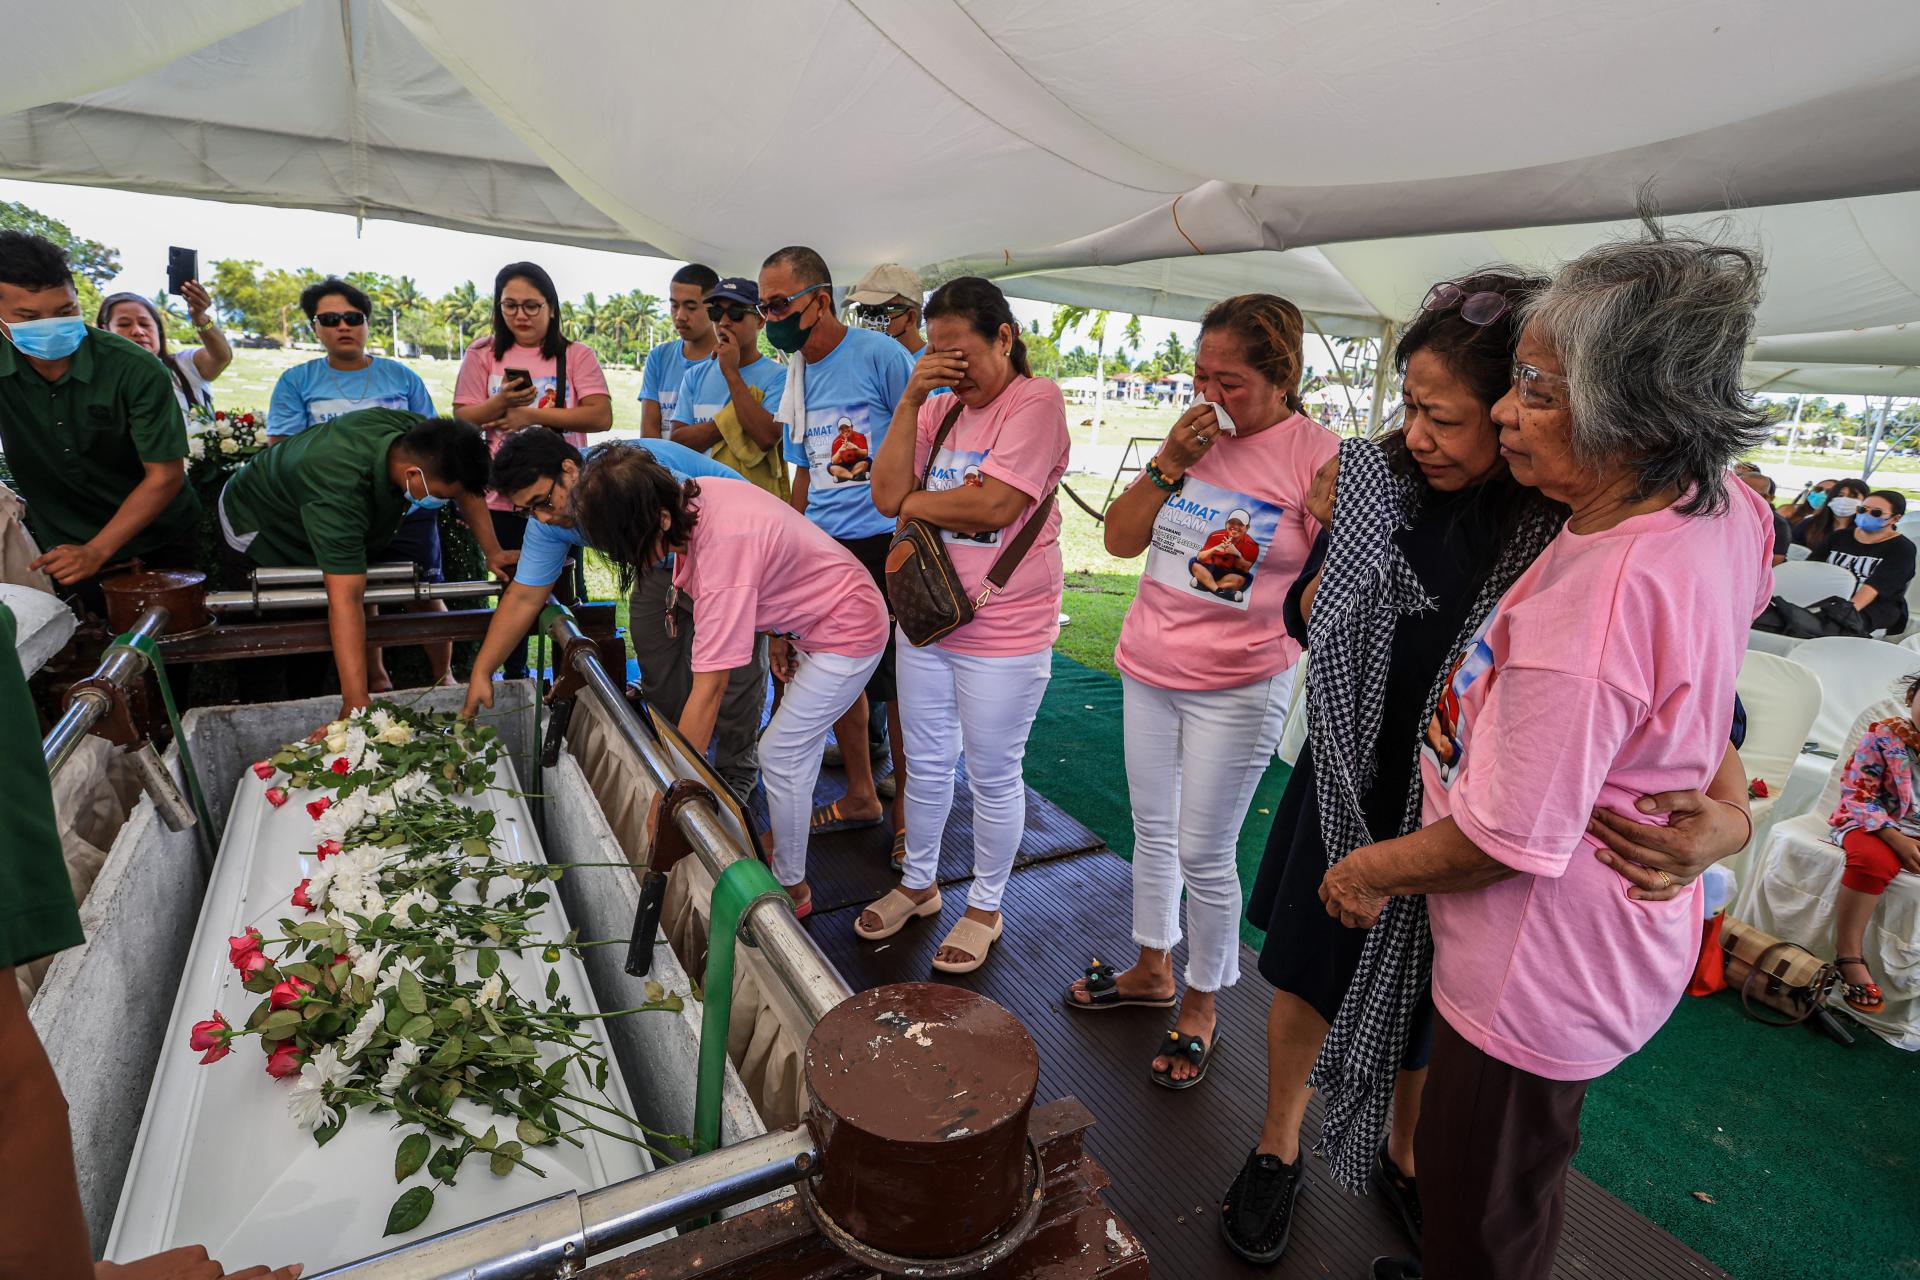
x: 37, y: 912
x: 77, y: 445
x: 322, y: 497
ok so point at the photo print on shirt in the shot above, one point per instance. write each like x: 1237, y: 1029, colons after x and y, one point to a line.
x: 951, y: 469
x: 839, y: 448
x: 1208, y: 541
x: 1444, y: 744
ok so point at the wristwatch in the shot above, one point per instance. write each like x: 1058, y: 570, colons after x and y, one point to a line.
x: 204, y: 323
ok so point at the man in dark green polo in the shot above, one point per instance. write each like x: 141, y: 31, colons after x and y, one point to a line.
x: 90, y: 429
x: 334, y: 494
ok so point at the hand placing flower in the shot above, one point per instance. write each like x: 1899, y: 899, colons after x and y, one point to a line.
x: 213, y: 1036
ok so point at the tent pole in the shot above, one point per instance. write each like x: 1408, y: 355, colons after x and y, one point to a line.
x: 1879, y: 432
x: 1380, y: 373
x: 1793, y: 430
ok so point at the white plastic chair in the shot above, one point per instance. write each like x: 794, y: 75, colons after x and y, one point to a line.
x: 1781, y: 697
x: 1797, y: 552
x: 1854, y: 673
x: 1805, y: 582
x: 1911, y: 642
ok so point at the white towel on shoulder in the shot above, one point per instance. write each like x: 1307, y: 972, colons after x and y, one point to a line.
x: 793, y: 400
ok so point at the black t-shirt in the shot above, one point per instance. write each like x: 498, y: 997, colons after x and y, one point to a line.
x: 1782, y: 534
x: 1887, y: 567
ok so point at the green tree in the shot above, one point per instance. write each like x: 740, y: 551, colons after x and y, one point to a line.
x: 92, y: 261
x: 1094, y: 321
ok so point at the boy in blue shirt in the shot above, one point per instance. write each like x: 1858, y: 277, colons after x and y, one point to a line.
x: 850, y: 380
x: 536, y: 470
x: 669, y: 363
x: 727, y: 406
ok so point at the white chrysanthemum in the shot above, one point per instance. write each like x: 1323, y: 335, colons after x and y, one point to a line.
x: 409, y: 785
x: 341, y: 817
x: 367, y: 965
x: 325, y: 1067
x: 379, y: 720
x: 320, y: 884
x: 307, y: 1104
x: 356, y: 881
x: 197, y: 448
x: 406, y: 1056
x: 362, y: 1033
x: 491, y: 990
x: 391, y: 978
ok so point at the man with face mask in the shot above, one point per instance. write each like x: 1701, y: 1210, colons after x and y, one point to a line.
x: 726, y: 405
x: 669, y: 363
x: 842, y: 385
x: 332, y: 496
x: 887, y: 300
x: 90, y: 430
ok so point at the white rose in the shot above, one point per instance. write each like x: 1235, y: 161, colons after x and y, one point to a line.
x: 229, y: 445
x: 396, y: 735
x: 336, y: 743
x: 490, y: 991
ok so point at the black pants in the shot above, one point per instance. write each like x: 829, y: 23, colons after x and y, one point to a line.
x: 1493, y: 1147
x: 872, y: 554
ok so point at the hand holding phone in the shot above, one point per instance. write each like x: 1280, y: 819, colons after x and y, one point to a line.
x: 182, y: 265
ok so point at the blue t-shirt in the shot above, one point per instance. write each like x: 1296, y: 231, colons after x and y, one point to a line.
x: 851, y: 396
x: 703, y: 392
x: 543, y: 553
x: 312, y: 393
x: 666, y: 368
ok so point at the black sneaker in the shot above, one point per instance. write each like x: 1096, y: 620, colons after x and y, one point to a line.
x: 1402, y: 1193
x: 1395, y: 1269
x: 1256, y: 1214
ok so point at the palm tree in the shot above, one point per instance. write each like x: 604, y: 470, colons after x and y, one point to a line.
x: 1072, y: 318
x: 645, y: 317
x: 465, y: 306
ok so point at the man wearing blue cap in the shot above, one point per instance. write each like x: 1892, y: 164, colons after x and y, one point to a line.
x: 726, y: 405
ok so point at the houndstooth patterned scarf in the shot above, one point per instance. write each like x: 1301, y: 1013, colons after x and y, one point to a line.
x: 1365, y: 585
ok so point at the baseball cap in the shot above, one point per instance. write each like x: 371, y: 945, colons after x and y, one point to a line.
x: 884, y: 283
x: 735, y: 289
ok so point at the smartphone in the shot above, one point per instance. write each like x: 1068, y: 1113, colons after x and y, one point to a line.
x: 182, y: 265
x: 516, y: 377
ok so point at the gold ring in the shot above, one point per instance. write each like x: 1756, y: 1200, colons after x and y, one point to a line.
x: 1666, y: 881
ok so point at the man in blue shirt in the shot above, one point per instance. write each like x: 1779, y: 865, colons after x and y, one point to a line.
x: 727, y: 405
x: 850, y: 381
x: 536, y: 470
x: 346, y: 379
x: 667, y: 364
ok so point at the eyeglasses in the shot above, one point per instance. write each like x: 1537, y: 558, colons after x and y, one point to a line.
x: 731, y: 312
x: 1537, y: 388
x: 514, y: 307
x: 334, y: 319
x: 777, y: 307
x: 1475, y: 308
x: 540, y: 501
x: 1885, y: 513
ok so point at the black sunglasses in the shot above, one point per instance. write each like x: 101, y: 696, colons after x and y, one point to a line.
x: 331, y: 319
x: 733, y: 313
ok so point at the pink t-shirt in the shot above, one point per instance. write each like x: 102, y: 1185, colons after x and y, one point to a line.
x: 753, y: 564
x: 481, y: 373
x: 1201, y: 622
x: 1604, y: 674
x: 1021, y: 440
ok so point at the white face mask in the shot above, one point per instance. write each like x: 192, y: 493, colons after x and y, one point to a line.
x: 1843, y: 507
x: 1221, y: 416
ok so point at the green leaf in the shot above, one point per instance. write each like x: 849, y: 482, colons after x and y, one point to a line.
x: 449, y: 1090
x: 280, y: 1024
x: 474, y: 847
x: 522, y: 1047
x: 493, y: 1023
x: 413, y: 1152
x: 488, y: 1140
x: 412, y: 998
x: 312, y: 930
x: 417, y: 1028
x: 655, y: 991
x: 447, y: 1054
x: 504, y: 1158
x: 492, y: 930
x: 444, y: 1164
x: 553, y: 982
x: 324, y: 1134
x: 409, y: 1211
x: 311, y: 972
x: 396, y: 1019
x: 486, y: 962
x: 532, y: 1134
x: 258, y: 1016
x: 340, y: 971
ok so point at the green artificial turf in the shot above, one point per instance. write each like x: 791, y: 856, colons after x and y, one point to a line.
x: 1809, y: 1152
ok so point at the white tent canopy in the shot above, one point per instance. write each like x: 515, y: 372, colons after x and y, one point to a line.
x: 1150, y: 157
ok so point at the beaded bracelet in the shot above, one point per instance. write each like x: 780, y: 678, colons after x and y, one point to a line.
x: 1159, y: 477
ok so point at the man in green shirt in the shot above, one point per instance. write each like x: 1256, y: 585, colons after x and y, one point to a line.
x: 334, y: 494
x: 90, y: 430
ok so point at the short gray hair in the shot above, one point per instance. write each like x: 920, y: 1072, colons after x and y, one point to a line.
x: 1652, y: 332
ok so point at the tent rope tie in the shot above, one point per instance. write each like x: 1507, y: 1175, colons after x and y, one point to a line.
x: 1175, y: 211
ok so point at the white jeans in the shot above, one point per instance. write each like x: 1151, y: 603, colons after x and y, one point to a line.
x: 986, y: 705
x: 819, y: 693
x: 1194, y: 757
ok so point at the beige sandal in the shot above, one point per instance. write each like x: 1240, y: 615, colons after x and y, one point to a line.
x: 973, y: 938
x: 895, y: 910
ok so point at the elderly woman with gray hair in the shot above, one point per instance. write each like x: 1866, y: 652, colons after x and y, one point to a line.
x: 1604, y: 674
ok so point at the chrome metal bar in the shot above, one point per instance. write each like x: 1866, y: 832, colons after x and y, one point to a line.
x: 316, y: 597
x: 393, y: 571
x: 554, y: 1237
x: 810, y: 984
x: 121, y: 667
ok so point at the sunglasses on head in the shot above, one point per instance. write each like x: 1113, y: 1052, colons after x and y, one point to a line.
x: 334, y: 319
x: 777, y: 307
x: 1475, y: 308
x: 733, y: 312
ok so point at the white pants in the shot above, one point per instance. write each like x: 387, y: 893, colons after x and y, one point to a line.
x: 1194, y: 758
x: 819, y: 693
x: 986, y: 705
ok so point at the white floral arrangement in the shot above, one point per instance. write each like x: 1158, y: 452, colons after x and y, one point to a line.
x: 217, y: 439
x: 386, y: 993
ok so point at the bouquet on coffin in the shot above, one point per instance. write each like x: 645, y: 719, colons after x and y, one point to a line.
x: 385, y: 992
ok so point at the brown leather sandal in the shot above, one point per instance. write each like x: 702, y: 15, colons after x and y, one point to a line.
x: 1861, y: 997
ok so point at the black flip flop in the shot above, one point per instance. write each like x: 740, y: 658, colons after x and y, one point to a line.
x: 1195, y: 1050
x: 1103, y: 992
x: 1401, y: 1193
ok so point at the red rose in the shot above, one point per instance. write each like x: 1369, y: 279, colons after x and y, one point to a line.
x: 244, y: 953
x: 283, y: 1059
x: 246, y: 419
x: 262, y: 770
x: 300, y: 898
x: 340, y: 765
x: 317, y: 807
x: 288, y: 992
x: 327, y: 848
x: 1757, y: 789
x: 219, y: 415
x: 276, y: 796
x: 211, y: 1037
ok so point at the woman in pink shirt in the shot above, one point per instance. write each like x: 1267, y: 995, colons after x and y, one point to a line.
x: 1205, y: 659
x: 978, y: 687
x: 752, y: 565
x: 1605, y: 674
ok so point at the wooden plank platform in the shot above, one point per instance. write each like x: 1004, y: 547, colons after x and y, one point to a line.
x: 1171, y: 1155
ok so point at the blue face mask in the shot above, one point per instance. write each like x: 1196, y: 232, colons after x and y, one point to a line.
x: 54, y: 338
x: 428, y: 503
x: 1817, y: 499
x: 1870, y: 524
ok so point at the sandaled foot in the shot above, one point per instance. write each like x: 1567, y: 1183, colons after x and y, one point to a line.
x: 1863, y: 995
x: 1184, y: 1057
x: 802, y: 899
x: 899, y: 856
x: 1256, y: 1214
x: 891, y: 914
x: 829, y: 818
x: 1099, y: 987
x: 1402, y: 1193
x: 965, y: 948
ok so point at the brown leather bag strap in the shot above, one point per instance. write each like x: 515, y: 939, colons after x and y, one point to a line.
x: 939, y: 438
x: 1016, y: 551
